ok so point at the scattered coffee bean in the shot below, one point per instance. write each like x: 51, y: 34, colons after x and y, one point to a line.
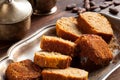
x: 116, y: 3
x: 97, y: 9
x: 103, y: 6
x: 92, y: 3
x: 79, y: 8
x: 108, y: 0
x: 113, y: 10
x: 93, y: 8
x: 82, y: 10
x: 74, y: 5
x: 106, y: 4
x: 75, y: 10
x: 109, y: 3
x: 70, y: 7
x: 87, y: 4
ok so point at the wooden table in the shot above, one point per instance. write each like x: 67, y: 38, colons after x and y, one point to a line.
x: 40, y: 21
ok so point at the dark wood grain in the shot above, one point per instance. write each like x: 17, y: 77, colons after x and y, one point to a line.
x: 40, y: 21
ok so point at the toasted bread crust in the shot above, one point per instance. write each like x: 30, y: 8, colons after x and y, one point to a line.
x: 52, y: 60
x: 94, y: 48
x: 55, y: 44
x: 64, y: 74
x: 95, y: 23
x: 66, y: 27
x: 23, y: 70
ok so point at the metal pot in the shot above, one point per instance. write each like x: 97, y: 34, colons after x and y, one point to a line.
x: 15, y: 19
x: 43, y: 7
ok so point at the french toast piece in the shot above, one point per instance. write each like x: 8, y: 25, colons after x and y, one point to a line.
x: 56, y: 44
x: 95, y: 23
x: 23, y: 70
x: 64, y: 74
x: 52, y: 60
x: 66, y: 27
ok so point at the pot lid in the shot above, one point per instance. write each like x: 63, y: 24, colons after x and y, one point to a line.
x: 13, y: 11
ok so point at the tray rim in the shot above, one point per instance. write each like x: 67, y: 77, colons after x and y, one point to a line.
x: 35, y: 34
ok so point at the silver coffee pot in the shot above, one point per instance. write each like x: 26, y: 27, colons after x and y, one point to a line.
x: 15, y: 19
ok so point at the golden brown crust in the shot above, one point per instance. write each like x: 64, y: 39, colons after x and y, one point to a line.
x: 64, y: 74
x: 95, y: 23
x: 23, y: 70
x: 66, y: 27
x: 52, y: 60
x: 94, y: 48
x: 55, y: 44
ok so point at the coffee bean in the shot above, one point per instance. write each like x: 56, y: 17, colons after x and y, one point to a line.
x: 74, y: 5
x: 116, y: 3
x: 79, y: 8
x: 109, y: 3
x: 93, y: 8
x: 70, y: 7
x: 106, y: 4
x: 87, y: 4
x: 97, y: 9
x: 75, y: 10
x: 103, y: 6
x: 113, y: 10
x: 82, y: 10
x: 92, y: 3
x: 108, y: 0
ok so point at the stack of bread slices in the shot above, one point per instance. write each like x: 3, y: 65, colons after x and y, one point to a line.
x: 81, y: 41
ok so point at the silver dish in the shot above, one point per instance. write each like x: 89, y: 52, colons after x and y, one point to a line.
x: 26, y: 48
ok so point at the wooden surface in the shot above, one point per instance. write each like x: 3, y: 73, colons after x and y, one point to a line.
x: 40, y: 21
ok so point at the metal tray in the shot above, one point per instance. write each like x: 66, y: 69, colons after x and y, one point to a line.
x: 26, y: 48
